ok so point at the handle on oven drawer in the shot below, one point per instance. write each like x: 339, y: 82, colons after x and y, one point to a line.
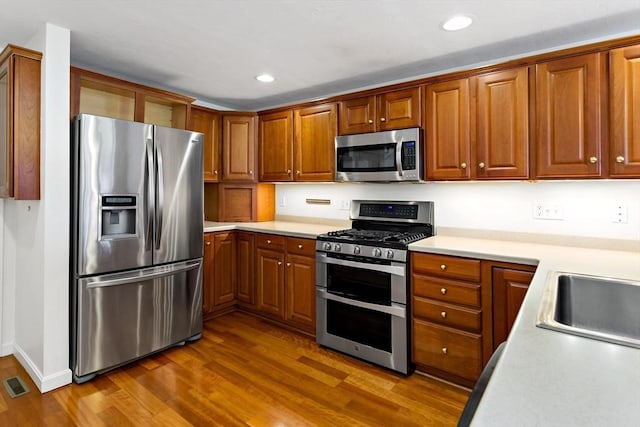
x: 392, y: 269
x: 394, y: 310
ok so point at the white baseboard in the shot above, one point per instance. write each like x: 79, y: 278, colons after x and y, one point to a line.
x: 44, y: 384
x: 6, y: 349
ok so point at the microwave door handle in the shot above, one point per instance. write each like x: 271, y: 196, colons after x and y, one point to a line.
x: 394, y: 309
x: 391, y: 269
x: 399, y: 157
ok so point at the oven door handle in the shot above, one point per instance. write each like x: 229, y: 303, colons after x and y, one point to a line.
x: 398, y: 270
x: 394, y: 309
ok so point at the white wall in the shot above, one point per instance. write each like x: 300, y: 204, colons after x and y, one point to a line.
x: 587, y: 206
x: 35, y: 236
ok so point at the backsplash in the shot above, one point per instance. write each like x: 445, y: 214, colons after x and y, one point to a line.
x: 602, y: 209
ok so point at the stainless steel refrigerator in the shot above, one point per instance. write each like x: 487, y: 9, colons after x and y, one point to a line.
x: 137, y: 224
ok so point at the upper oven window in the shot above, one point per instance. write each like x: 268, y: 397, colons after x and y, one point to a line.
x: 359, y: 284
x: 367, y: 158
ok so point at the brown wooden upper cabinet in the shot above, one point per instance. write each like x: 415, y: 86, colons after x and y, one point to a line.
x: 568, y: 112
x: 499, y: 147
x: 102, y: 95
x: 20, y: 123
x: 238, y: 147
x: 502, y: 125
x: 207, y: 122
x: 447, y: 130
x: 392, y: 110
x: 298, y: 145
x: 625, y: 112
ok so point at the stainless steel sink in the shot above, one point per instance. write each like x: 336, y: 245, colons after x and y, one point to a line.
x: 594, y: 307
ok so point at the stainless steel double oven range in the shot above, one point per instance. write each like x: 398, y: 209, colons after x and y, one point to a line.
x: 362, y: 281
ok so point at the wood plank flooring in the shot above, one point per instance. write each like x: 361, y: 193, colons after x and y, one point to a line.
x: 244, y: 371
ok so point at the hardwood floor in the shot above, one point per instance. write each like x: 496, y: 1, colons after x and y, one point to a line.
x: 244, y: 371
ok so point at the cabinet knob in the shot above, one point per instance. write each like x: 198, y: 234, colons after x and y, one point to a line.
x: 443, y: 314
x: 370, y: 121
x: 268, y: 241
x: 279, y: 262
x: 463, y: 165
x: 444, y: 350
x: 481, y: 165
x: 593, y: 159
x: 443, y: 291
x: 443, y: 267
x: 620, y: 159
x: 299, y: 246
x: 288, y: 264
x: 382, y: 119
x: 215, y: 172
x: 207, y: 243
x: 288, y: 171
x: 250, y: 171
x: 297, y: 172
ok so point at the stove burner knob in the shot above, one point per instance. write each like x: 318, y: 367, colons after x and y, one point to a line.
x: 327, y: 246
x: 377, y: 252
x: 356, y: 250
x: 337, y: 247
x: 389, y: 254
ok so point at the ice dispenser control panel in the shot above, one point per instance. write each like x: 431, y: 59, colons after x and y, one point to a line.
x: 118, y: 213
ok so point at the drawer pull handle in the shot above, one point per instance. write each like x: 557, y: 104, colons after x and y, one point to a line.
x: 444, y: 350
x: 443, y: 314
x: 268, y: 242
x: 443, y: 267
x: 443, y: 291
x: 299, y: 246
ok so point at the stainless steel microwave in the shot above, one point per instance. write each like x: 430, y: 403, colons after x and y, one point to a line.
x: 390, y: 156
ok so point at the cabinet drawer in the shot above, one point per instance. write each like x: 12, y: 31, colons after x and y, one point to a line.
x: 447, y: 266
x: 444, y: 290
x: 306, y: 247
x: 270, y: 241
x: 456, y: 352
x: 447, y: 314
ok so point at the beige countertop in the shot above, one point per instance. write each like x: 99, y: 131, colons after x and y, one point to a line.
x: 544, y: 378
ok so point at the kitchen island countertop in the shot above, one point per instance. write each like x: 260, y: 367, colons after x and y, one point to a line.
x: 544, y: 378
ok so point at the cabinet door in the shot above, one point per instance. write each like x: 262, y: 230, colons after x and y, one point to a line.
x: 625, y: 112
x: 275, y: 152
x: 245, y: 265
x: 447, y: 131
x: 224, y: 290
x: 300, y: 291
x: 399, y: 109
x: 357, y: 115
x: 502, y: 139
x: 208, y: 123
x: 208, y: 274
x: 238, y: 148
x: 509, y: 289
x: 315, y: 131
x: 270, y: 282
x: 568, y: 109
x: 6, y: 139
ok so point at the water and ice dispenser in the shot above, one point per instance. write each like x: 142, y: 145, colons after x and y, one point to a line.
x: 118, y: 214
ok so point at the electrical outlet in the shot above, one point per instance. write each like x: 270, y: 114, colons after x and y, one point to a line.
x: 283, y: 201
x: 345, y: 205
x: 620, y: 213
x: 543, y: 210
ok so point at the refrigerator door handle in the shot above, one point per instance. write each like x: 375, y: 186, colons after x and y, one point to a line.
x: 149, y: 194
x: 160, y: 197
x: 136, y: 277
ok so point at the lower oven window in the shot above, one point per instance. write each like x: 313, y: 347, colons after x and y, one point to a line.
x: 361, y: 325
x: 359, y: 283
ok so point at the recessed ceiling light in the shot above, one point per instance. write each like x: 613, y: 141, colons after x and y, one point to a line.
x: 457, y: 23
x: 265, y: 78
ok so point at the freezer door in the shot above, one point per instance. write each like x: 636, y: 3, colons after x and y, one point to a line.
x: 125, y: 316
x: 179, y: 214
x: 112, y: 194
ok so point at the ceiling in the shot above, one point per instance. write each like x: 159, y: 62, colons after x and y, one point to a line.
x: 213, y: 49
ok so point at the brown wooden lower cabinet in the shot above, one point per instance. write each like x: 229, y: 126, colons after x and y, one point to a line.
x: 245, y: 266
x: 219, y: 273
x: 463, y: 308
